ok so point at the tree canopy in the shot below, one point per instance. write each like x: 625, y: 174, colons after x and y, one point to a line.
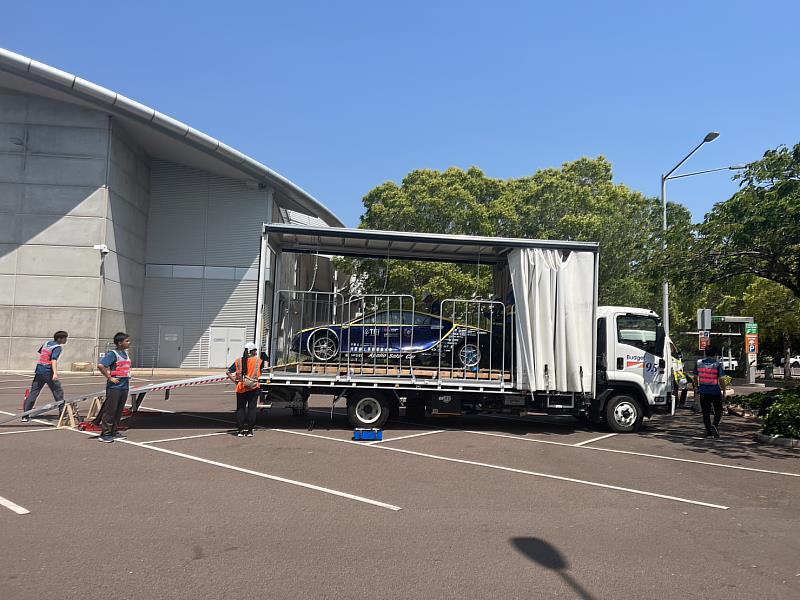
x: 757, y: 231
x: 744, y: 258
x: 578, y: 201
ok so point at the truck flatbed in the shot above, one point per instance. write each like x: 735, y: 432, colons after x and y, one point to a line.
x: 357, y: 370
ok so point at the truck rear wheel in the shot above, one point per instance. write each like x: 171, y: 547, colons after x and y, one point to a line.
x: 368, y: 411
x: 623, y: 414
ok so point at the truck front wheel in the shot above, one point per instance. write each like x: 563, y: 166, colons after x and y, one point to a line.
x: 623, y: 414
x: 368, y: 411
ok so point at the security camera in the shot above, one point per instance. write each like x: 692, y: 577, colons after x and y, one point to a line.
x: 103, y: 248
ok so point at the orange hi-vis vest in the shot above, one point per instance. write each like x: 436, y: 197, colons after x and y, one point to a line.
x: 253, y: 372
x: 708, y: 375
x: 46, y: 354
x: 122, y: 368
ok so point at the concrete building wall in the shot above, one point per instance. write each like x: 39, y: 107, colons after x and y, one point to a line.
x: 53, y: 203
x: 203, y: 242
x: 183, y: 243
x: 125, y: 235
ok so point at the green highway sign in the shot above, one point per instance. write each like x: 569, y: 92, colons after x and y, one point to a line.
x: 717, y: 319
x: 751, y: 327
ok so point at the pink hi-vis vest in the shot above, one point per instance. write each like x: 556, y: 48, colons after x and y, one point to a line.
x: 122, y: 368
x: 708, y: 376
x: 46, y: 354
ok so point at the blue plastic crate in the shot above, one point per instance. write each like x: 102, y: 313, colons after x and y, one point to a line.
x: 367, y: 435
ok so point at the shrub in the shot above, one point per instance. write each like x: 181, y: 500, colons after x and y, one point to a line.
x: 783, y: 417
x: 757, y: 402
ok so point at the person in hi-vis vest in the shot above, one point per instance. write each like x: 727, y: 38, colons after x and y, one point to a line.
x: 709, y: 372
x: 245, y: 372
x: 116, y: 367
x: 46, y: 372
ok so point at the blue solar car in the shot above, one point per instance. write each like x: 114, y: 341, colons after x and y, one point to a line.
x: 400, y: 335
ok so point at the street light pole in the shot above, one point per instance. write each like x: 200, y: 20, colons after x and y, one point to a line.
x: 710, y: 137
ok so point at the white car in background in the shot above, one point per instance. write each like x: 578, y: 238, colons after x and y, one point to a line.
x: 794, y: 361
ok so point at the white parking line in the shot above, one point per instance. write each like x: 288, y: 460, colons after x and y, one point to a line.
x: 66, y: 383
x: 302, y: 484
x: 188, y: 437
x: 630, y: 452
x: 29, y: 430
x: 41, y: 421
x: 196, y: 416
x: 315, y: 435
x: 513, y: 470
x: 556, y: 477
x: 13, y: 506
x: 404, y: 437
x: 597, y: 439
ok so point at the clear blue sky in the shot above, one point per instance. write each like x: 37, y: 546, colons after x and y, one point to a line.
x: 342, y: 96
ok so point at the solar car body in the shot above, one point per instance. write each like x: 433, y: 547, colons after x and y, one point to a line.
x: 418, y: 337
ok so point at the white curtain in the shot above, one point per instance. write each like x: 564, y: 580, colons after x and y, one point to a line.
x: 554, y: 297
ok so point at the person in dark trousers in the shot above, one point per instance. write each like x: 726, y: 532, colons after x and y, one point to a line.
x: 46, y: 372
x: 116, y: 367
x: 245, y: 372
x: 709, y: 372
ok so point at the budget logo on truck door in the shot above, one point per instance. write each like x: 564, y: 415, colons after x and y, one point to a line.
x: 638, y: 356
x: 647, y: 362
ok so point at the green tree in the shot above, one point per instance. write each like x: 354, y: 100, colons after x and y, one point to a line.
x: 757, y: 231
x: 777, y: 311
x: 578, y: 201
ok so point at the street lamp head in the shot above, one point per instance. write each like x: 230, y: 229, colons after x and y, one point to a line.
x: 737, y: 167
x: 710, y: 137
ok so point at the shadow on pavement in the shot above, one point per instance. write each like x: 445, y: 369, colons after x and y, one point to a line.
x: 546, y: 555
x: 736, y: 440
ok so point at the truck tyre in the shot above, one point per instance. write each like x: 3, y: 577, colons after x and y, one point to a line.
x: 623, y: 414
x: 368, y: 411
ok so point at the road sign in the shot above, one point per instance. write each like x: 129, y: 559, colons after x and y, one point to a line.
x: 751, y: 327
x: 751, y: 343
x: 705, y: 342
x: 704, y: 318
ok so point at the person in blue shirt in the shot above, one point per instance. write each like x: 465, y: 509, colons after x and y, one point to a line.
x: 116, y: 367
x: 46, y: 372
x: 709, y: 372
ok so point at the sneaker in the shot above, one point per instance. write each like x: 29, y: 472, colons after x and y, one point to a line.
x: 249, y: 433
x: 715, y: 431
x: 240, y: 434
x: 106, y: 438
x: 25, y: 419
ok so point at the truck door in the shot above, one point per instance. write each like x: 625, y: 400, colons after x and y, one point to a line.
x: 637, y: 355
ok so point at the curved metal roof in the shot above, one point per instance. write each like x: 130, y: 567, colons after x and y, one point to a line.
x: 115, y: 103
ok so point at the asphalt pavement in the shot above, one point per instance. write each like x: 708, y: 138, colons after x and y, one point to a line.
x: 475, y: 507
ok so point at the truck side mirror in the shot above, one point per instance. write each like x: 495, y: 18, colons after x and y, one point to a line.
x: 661, y: 335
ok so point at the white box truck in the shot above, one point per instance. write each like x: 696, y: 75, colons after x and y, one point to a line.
x: 541, y: 344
